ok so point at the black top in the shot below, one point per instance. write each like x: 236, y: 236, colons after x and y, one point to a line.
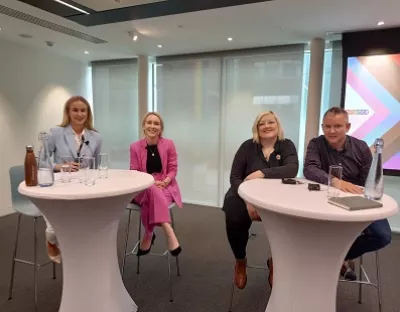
x: 283, y: 162
x: 153, y: 164
x: 355, y: 159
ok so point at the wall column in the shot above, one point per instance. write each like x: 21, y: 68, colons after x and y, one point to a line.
x: 314, y: 89
x: 143, y: 88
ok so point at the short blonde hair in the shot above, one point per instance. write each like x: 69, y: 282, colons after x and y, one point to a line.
x: 67, y: 120
x: 256, y: 137
x: 158, y: 116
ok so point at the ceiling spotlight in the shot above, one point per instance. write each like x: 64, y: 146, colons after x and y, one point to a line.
x: 160, y: 46
x: 86, y: 52
x: 381, y: 23
x: 133, y: 34
x: 230, y: 39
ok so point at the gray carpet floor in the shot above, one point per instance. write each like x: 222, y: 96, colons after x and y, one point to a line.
x: 206, y: 270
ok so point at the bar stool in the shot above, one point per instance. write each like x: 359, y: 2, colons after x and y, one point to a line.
x: 249, y: 266
x: 133, y: 207
x: 25, y: 207
x: 363, y: 275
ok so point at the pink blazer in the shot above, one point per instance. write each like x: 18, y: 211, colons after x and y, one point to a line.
x: 169, y: 161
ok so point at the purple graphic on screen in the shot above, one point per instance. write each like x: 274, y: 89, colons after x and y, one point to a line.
x: 393, y: 163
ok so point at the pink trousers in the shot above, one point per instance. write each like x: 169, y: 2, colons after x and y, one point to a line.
x: 154, y: 209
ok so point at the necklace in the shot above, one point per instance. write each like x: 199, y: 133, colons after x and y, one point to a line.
x: 152, y: 150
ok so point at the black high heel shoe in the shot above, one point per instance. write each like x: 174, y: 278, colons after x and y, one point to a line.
x: 176, y: 251
x: 142, y: 252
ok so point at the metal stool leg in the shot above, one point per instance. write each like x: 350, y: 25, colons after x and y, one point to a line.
x: 126, y: 243
x: 378, y: 277
x: 361, y: 279
x: 139, y: 235
x: 54, y: 271
x: 13, y: 258
x: 178, y: 271
x: 171, y: 299
x: 35, y: 262
x: 232, y: 293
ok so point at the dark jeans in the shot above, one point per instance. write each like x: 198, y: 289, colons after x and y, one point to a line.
x: 238, y: 224
x: 374, y: 237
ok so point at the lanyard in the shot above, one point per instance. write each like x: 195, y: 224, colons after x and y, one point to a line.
x: 80, y: 146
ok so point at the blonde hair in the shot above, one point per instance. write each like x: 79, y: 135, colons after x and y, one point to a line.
x: 256, y: 137
x: 67, y: 120
x: 158, y: 116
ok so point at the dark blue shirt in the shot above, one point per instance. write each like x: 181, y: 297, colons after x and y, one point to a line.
x: 355, y: 158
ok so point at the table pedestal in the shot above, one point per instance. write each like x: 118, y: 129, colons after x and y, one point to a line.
x: 87, y: 232
x: 307, y: 256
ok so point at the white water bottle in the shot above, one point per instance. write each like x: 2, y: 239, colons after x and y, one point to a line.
x: 374, y: 184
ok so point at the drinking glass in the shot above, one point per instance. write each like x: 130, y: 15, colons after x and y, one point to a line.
x: 65, y: 162
x: 103, y: 166
x: 334, y: 172
x: 91, y: 174
x: 80, y: 174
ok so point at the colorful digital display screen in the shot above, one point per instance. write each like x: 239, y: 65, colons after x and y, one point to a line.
x: 373, y: 102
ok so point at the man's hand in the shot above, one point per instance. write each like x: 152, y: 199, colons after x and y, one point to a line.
x: 347, y: 186
x: 252, y: 212
x: 255, y: 175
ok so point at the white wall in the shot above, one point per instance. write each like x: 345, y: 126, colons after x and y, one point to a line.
x: 34, y: 86
x: 392, y: 187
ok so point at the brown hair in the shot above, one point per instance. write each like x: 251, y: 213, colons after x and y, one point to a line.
x: 158, y: 116
x: 67, y: 120
x: 336, y: 110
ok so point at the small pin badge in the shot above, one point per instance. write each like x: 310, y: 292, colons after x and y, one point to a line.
x: 278, y: 157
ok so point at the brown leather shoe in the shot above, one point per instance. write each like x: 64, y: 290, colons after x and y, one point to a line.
x: 240, y: 273
x: 53, y: 253
x: 270, y: 266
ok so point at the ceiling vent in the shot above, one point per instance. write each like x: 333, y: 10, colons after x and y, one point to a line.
x: 49, y: 25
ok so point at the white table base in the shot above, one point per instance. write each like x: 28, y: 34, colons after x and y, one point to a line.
x: 87, y: 233
x: 307, y: 256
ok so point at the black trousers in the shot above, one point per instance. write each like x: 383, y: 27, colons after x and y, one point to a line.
x: 238, y: 223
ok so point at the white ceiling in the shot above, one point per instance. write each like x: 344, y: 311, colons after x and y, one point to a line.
x: 262, y: 24
x: 102, y: 5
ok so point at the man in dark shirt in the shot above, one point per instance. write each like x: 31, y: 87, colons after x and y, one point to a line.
x: 335, y: 147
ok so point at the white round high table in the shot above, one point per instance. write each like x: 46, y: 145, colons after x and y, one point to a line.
x: 309, y: 239
x: 85, y: 220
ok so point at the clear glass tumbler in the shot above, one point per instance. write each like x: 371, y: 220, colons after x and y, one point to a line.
x: 335, y: 174
x: 91, y: 173
x: 65, y: 162
x: 103, y: 166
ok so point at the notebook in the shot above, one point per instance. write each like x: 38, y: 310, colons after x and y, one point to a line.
x: 354, y: 202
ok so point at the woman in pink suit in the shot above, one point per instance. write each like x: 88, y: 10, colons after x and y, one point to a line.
x: 156, y: 156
